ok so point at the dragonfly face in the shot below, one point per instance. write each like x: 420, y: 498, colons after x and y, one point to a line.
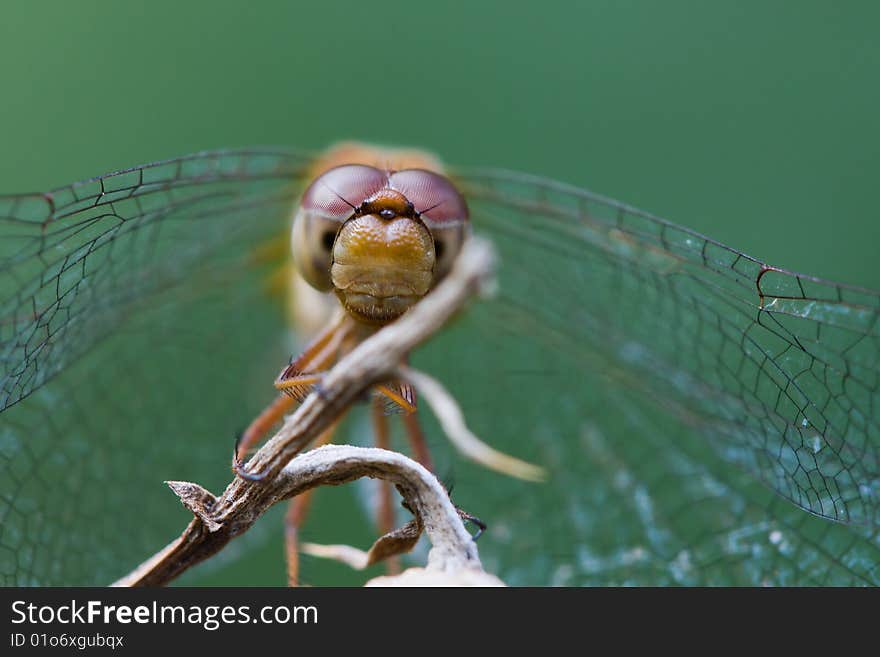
x: 380, y: 239
x: 705, y: 417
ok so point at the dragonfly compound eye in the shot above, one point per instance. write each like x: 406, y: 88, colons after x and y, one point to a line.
x: 312, y: 245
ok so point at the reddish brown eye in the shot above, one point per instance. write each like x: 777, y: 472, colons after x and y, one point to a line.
x: 434, y: 196
x: 337, y: 192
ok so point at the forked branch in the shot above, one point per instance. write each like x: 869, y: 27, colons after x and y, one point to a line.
x: 219, y: 519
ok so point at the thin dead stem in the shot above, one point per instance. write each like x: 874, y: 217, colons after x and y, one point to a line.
x: 453, y: 548
x: 451, y: 419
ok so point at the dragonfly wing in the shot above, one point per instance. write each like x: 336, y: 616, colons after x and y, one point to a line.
x: 624, y: 351
x: 73, y: 260
x: 120, y: 298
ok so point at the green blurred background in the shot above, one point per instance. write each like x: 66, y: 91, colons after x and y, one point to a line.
x: 753, y: 122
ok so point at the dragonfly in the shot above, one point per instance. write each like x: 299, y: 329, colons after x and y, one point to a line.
x: 705, y: 417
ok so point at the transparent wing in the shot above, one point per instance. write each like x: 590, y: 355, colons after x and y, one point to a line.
x: 133, y: 317
x: 661, y: 375
x: 74, y: 259
x: 136, y: 338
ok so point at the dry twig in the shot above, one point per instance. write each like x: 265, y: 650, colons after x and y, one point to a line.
x: 453, y: 555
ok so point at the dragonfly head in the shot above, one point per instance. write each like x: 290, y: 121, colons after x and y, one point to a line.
x: 380, y: 240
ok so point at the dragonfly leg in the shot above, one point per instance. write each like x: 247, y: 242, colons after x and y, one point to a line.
x: 401, y: 395
x: 385, y: 512
x: 299, y: 386
x: 297, y: 510
x: 417, y: 440
x: 260, y: 425
x: 467, y: 517
x: 302, y: 374
x: 296, y: 380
